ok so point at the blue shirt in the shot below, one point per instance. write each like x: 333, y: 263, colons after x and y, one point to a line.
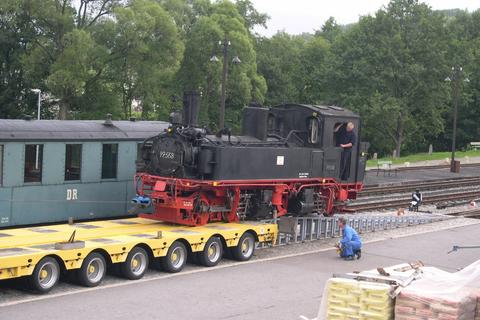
x: 349, y: 234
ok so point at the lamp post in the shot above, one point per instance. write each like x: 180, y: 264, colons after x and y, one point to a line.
x: 38, y: 118
x: 39, y: 92
x: 456, y: 77
x: 225, y: 43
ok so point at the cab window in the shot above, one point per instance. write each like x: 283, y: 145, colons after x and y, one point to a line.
x: 313, y: 130
x: 339, y: 130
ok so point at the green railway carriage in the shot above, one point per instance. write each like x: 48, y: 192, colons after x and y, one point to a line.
x: 51, y: 170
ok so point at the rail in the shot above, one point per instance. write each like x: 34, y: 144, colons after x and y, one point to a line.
x: 301, y: 229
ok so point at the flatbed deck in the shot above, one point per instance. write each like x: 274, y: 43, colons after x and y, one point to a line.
x: 22, y: 249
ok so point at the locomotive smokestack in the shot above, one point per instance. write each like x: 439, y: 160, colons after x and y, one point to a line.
x: 191, y: 108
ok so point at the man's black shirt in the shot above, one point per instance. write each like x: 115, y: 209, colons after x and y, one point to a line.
x: 348, y: 137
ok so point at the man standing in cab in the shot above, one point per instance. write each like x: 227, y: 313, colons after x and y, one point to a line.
x: 346, y: 141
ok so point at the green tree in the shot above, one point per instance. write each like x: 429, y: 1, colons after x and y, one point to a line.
x: 197, y: 72
x: 15, y: 32
x: 61, y: 57
x: 251, y: 16
x: 395, y: 59
x: 330, y: 30
x: 464, y: 48
x: 145, y: 53
x: 280, y: 62
x: 73, y: 68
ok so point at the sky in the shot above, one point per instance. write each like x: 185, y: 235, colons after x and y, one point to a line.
x: 298, y: 16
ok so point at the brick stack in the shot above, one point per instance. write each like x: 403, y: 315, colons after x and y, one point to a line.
x: 420, y: 305
x: 351, y: 299
x: 477, y: 313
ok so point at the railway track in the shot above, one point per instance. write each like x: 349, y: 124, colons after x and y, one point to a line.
x: 405, y: 201
x: 440, y: 166
x: 474, y: 213
x: 422, y: 186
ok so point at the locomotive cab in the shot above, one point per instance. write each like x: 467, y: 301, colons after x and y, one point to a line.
x: 315, y: 127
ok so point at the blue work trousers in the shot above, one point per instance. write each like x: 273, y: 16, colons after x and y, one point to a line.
x: 350, y: 247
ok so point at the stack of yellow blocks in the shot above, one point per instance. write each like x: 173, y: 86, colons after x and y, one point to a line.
x: 354, y: 300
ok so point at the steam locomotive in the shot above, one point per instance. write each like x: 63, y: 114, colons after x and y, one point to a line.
x: 287, y: 160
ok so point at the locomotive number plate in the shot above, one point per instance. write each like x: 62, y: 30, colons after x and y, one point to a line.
x: 167, y: 155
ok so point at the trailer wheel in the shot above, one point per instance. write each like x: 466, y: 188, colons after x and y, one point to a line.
x: 93, y: 270
x: 245, y: 248
x: 175, y: 259
x: 212, y: 254
x: 136, y: 264
x: 45, y: 275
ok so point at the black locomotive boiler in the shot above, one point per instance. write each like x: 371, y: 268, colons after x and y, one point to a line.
x: 286, y: 160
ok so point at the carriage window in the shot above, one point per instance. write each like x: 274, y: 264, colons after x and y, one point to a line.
x: 313, y: 130
x: 109, y: 161
x: 33, y: 162
x: 1, y: 164
x: 73, y: 161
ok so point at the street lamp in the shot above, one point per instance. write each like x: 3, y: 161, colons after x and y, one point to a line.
x: 38, y: 117
x: 456, y: 77
x: 225, y: 44
x: 39, y: 92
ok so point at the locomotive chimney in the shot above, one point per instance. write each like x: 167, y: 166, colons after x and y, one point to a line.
x: 191, y: 108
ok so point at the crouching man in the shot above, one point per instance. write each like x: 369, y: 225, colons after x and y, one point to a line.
x: 351, y: 244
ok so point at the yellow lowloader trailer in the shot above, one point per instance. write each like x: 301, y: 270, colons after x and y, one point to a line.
x: 88, y: 249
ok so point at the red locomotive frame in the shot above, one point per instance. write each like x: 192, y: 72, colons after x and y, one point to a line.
x: 198, y: 202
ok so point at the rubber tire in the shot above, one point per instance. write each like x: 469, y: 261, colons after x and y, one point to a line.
x: 125, y: 269
x: 193, y: 258
x: 33, y: 279
x: 166, y: 262
x: 236, y: 251
x: 82, y: 272
x: 203, y: 255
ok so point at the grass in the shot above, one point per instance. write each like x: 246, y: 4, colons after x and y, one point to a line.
x: 425, y: 156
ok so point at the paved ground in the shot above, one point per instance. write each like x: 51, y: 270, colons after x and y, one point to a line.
x: 371, y: 177
x: 272, y: 287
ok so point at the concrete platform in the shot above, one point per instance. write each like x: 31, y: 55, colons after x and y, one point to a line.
x: 418, y: 175
x: 270, y: 288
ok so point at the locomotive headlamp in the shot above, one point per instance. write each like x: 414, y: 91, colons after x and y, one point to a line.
x: 215, y: 183
x: 169, y: 130
x: 314, y: 114
x: 363, y: 154
x: 323, y: 181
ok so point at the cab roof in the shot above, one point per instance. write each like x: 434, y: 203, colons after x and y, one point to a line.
x: 329, y: 111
